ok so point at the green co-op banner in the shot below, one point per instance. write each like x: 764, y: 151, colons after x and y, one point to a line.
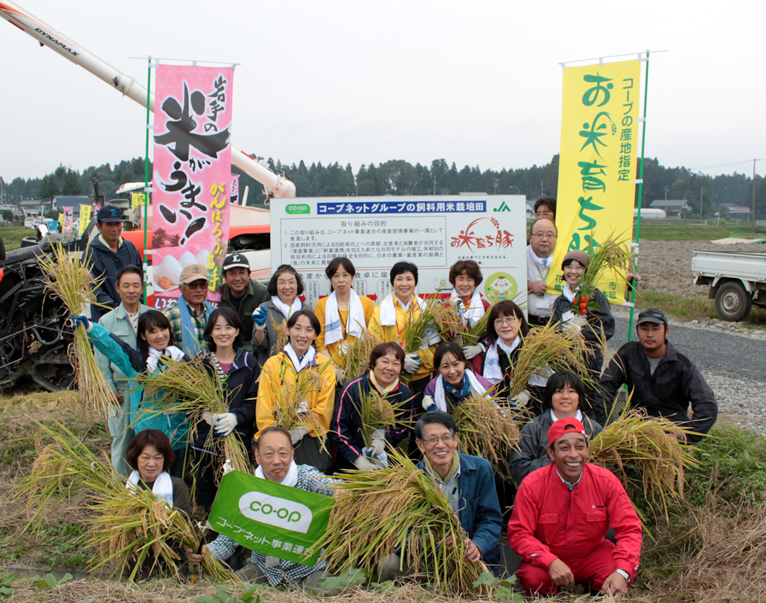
x: 270, y: 518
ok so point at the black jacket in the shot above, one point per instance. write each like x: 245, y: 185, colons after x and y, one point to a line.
x: 104, y: 263
x: 346, y: 429
x: 598, y: 320
x: 675, y: 384
x: 241, y: 384
x: 255, y: 294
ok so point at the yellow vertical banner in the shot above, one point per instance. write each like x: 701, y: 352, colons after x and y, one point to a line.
x: 597, y: 164
x: 137, y: 200
x: 85, y: 211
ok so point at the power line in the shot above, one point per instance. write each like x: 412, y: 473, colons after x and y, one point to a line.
x: 708, y: 167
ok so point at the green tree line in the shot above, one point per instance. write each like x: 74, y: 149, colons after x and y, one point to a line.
x: 399, y: 177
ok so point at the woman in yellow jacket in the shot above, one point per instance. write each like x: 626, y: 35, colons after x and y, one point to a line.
x: 389, y: 322
x: 281, y: 375
x: 343, y: 315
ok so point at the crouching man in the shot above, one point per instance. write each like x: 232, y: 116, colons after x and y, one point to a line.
x: 561, y: 516
x: 469, y: 484
x: 274, y: 455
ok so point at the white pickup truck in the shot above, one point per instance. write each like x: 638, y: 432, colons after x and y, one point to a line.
x: 737, y: 280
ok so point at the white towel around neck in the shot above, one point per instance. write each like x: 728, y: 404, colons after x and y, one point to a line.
x: 440, y: 396
x: 300, y: 363
x: 291, y: 479
x: 162, y: 487
x: 287, y: 311
x: 475, y: 310
x: 355, y: 324
x: 492, y: 371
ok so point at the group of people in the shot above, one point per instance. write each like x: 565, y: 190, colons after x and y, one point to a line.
x: 264, y: 343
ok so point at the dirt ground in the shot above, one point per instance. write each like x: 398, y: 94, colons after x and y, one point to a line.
x: 665, y: 266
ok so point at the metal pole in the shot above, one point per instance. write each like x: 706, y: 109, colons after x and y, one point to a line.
x: 640, y: 194
x: 754, y: 160
x: 702, y: 190
x: 146, y: 174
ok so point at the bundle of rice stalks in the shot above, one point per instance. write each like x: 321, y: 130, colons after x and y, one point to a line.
x: 69, y: 279
x: 193, y: 388
x: 478, y: 331
x: 378, y: 412
x: 609, y: 256
x: 399, y: 509
x: 290, y: 406
x: 447, y: 321
x: 130, y: 529
x: 548, y: 349
x: 647, y: 454
x: 356, y: 361
x: 421, y: 330
x: 488, y: 428
x: 282, y: 337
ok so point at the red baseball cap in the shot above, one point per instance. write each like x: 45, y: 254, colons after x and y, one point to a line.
x: 562, y: 426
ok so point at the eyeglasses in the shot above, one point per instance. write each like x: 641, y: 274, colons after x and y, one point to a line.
x: 283, y: 456
x: 447, y: 438
x: 506, y: 320
x: 197, y: 285
x: 544, y: 235
x: 543, y: 212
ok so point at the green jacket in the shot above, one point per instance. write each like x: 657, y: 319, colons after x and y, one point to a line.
x: 255, y: 294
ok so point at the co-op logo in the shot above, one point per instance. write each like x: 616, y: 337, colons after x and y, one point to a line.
x: 277, y: 512
x: 298, y: 208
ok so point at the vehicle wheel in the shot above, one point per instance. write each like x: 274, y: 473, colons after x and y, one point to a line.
x: 732, y: 302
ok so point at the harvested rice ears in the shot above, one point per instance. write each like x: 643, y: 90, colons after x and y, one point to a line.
x: 70, y: 280
x: 646, y: 452
x: 289, y: 403
x: 130, y: 529
x: 194, y: 388
x: 546, y: 350
x: 478, y: 331
x: 447, y: 321
x: 356, y: 362
x: 377, y: 412
x: 282, y: 337
x: 488, y: 428
x: 399, y: 509
x: 421, y: 328
x: 609, y: 256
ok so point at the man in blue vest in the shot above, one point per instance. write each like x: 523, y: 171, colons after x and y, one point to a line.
x: 188, y: 317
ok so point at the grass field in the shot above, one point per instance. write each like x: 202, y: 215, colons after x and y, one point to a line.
x: 12, y: 235
x: 678, y: 230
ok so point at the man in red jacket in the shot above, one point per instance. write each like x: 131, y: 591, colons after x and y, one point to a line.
x: 561, y: 516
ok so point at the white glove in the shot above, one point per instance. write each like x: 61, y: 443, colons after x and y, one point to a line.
x: 428, y: 403
x: 340, y: 375
x: 303, y: 407
x: 364, y: 464
x: 208, y: 417
x: 411, y: 363
x: 227, y: 467
x: 571, y: 329
x: 521, y: 400
x: 297, y: 434
x: 471, y: 351
x: 378, y: 445
x: 225, y: 423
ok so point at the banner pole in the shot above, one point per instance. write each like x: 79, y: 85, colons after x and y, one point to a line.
x: 146, y: 173
x: 640, y: 196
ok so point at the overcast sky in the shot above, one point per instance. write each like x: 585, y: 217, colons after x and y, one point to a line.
x: 477, y: 83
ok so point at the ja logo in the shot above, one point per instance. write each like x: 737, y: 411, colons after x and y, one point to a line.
x: 503, y: 207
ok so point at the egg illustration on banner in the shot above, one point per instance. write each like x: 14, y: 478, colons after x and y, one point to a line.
x: 500, y: 286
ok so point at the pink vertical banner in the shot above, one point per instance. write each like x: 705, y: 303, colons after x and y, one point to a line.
x: 68, y: 219
x: 235, y: 200
x: 192, y: 175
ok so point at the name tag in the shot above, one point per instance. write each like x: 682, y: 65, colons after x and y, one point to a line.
x: 567, y: 316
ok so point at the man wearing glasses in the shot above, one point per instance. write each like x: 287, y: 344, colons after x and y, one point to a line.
x: 468, y: 482
x: 188, y: 317
x: 542, y: 241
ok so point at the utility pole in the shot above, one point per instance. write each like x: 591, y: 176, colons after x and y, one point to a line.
x: 542, y: 192
x: 702, y: 190
x: 667, y: 188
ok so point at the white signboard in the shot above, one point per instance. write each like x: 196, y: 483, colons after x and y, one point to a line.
x: 433, y: 232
